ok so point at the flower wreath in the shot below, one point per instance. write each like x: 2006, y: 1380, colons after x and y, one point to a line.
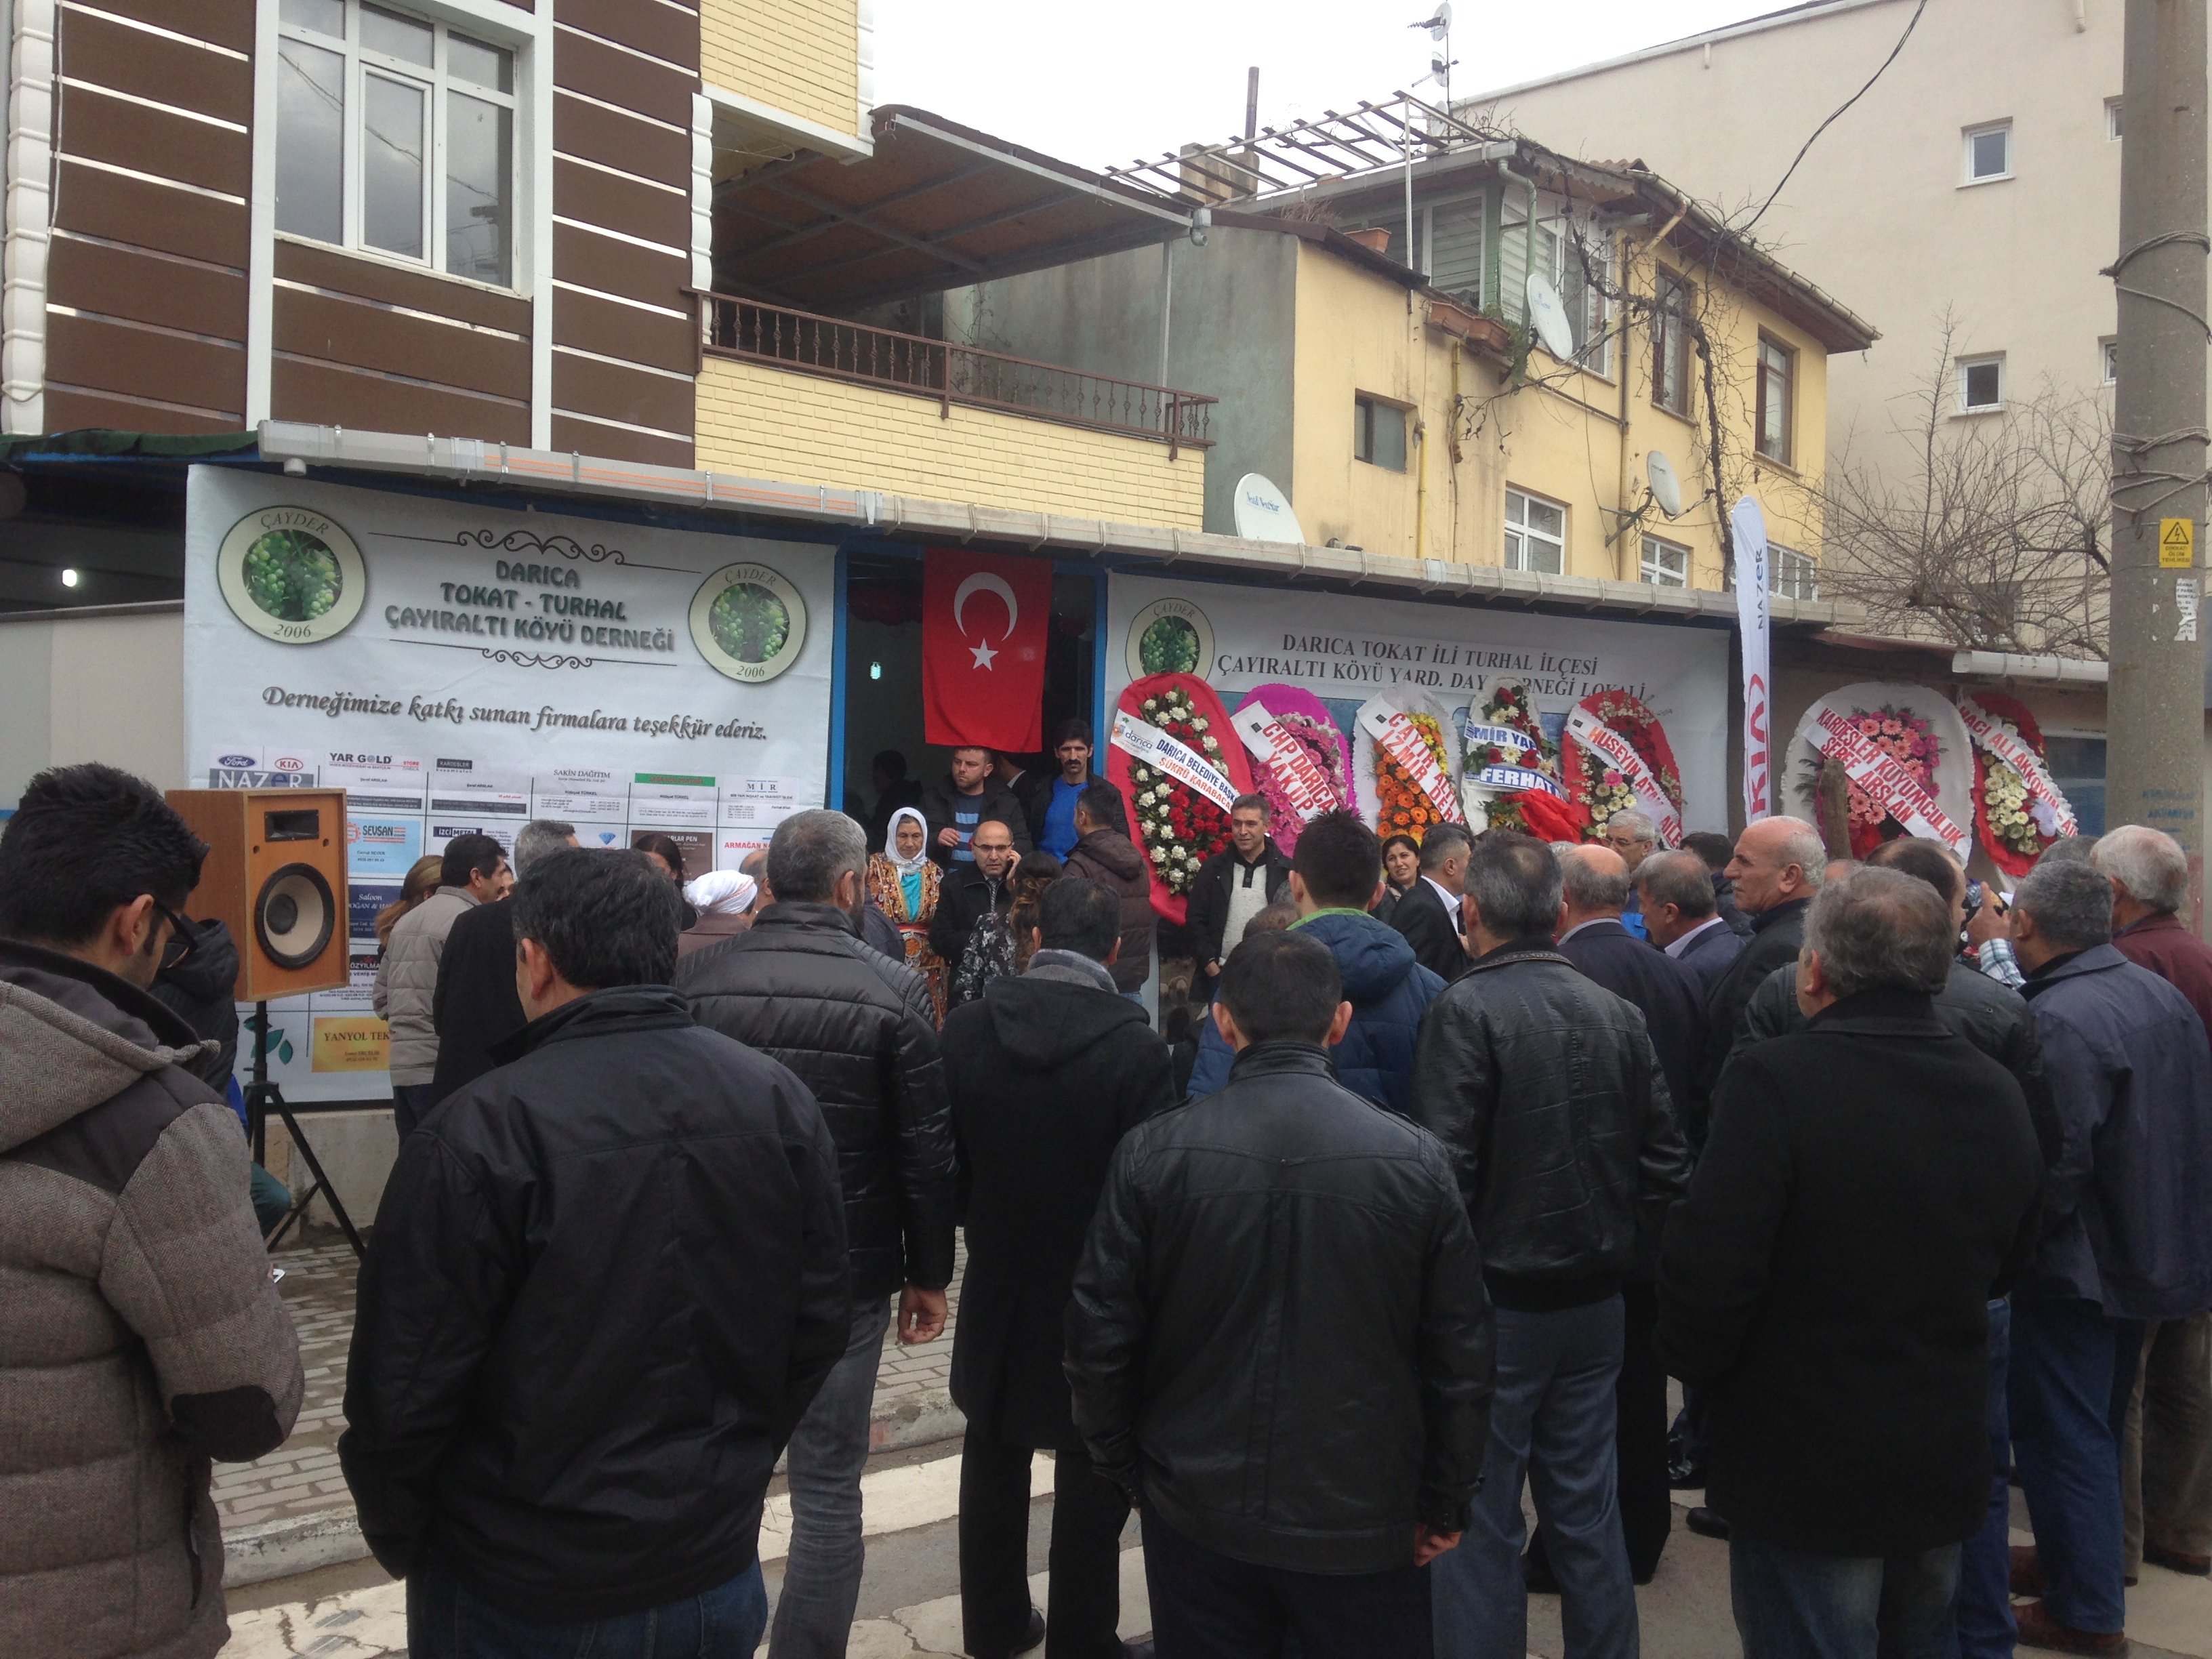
x: 1176, y: 827
x: 1907, y: 725
x: 1302, y: 714
x: 1508, y: 705
x: 2011, y: 820
x: 1594, y: 783
x: 1401, y: 806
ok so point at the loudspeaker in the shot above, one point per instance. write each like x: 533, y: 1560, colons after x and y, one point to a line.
x: 275, y: 874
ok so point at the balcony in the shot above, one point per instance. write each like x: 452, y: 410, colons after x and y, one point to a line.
x: 788, y: 393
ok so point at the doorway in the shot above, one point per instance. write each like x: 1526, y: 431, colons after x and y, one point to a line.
x: 882, y: 688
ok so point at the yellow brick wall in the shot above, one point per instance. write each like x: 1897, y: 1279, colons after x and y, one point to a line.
x: 771, y: 424
x: 803, y: 55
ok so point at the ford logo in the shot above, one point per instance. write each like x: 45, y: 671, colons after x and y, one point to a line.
x: 234, y: 760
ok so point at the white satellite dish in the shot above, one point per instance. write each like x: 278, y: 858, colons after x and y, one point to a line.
x: 1549, y: 318
x: 1263, y: 512
x: 1666, y: 488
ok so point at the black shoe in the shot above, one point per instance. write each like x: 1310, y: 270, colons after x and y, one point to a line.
x: 1707, y: 1524
x: 1032, y: 1637
x: 1685, y: 1476
x: 1536, y: 1573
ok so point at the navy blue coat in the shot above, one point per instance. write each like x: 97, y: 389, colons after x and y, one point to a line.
x: 1672, y: 1000
x: 1709, y: 955
x: 1388, y: 992
x: 2132, y: 1075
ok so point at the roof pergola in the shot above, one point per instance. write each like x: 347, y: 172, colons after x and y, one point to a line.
x: 938, y: 206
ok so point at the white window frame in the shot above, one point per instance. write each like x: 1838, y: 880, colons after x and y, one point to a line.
x: 1593, y: 352
x: 1982, y: 360
x: 1519, y: 534
x: 1664, y: 563
x: 360, y: 63
x: 2115, y: 120
x: 1967, y: 143
x: 1792, y: 574
x: 2108, y: 360
x: 1670, y: 336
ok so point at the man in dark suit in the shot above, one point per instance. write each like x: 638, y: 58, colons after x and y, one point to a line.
x: 1683, y: 918
x: 1046, y: 1073
x: 1593, y: 887
x: 475, y: 1005
x: 1429, y: 913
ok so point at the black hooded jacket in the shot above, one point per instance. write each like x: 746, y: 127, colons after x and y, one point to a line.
x: 202, y: 990
x: 1046, y: 1073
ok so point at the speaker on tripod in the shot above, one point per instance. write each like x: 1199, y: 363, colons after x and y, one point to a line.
x: 275, y: 875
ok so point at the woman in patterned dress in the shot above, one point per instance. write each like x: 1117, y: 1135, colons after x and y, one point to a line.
x: 903, y: 884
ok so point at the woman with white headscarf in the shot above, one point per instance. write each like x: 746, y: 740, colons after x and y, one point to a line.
x: 903, y: 884
x: 723, y: 899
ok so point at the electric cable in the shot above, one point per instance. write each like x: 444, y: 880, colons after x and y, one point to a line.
x: 1746, y: 230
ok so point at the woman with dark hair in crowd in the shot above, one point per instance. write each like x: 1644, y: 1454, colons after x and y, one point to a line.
x: 1000, y: 946
x: 1401, y: 868
x: 421, y: 882
x: 662, y: 851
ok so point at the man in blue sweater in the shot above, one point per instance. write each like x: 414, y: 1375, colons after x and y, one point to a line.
x: 1336, y: 873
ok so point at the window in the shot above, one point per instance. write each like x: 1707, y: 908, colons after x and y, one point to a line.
x: 2077, y: 766
x: 1665, y: 565
x: 1579, y: 260
x: 1670, y: 345
x: 1535, y: 533
x: 1981, y: 383
x: 396, y: 134
x: 1791, y: 575
x: 1777, y: 389
x: 2113, y: 126
x: 1988, y: 153
x: 1456, y: 249
x: 1378, y: 433
x: 2108, y: 358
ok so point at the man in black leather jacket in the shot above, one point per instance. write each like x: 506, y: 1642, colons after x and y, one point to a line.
x: 1260, y: 1260
x: 1544, y: 1086
x: 605, y: 1280
x: 801, y: 987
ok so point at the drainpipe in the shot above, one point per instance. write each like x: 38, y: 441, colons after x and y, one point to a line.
x: 1421, y: 491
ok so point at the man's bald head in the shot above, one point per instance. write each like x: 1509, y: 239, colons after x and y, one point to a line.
x: 1777, y: 859
x: 1593, y: 886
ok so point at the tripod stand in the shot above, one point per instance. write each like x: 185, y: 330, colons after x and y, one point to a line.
x: 263, y: 1096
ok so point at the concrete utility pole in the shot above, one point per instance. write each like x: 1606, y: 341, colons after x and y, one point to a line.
x: 2155, y: 766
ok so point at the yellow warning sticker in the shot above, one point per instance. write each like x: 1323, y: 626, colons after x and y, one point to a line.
x: 2177, y: 543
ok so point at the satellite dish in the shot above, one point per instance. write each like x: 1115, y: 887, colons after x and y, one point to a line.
x: 1549, y: 318
x: 1263, y: 512
x: 1666, y: 488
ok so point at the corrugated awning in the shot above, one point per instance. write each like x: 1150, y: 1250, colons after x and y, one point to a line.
x: 938, y: 206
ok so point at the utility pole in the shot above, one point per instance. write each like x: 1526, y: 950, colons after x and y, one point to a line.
x: 2154, y: 767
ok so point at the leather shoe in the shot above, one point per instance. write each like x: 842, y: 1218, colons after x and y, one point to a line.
x: 2037, y: 1629
x: 2195, y: 1566
x: 1707, y: 1523
x: 1032, y: 1635
x: 1686, y: 1477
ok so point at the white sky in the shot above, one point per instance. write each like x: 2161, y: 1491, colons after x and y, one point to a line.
x: 1099, y: 83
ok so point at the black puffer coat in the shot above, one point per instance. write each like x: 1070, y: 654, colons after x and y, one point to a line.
x: 860, y: 1031
x: 1279, y: 1333
x: 1544, y: 1086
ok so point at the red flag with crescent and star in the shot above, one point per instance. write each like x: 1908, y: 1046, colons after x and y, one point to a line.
x: 983, y: 625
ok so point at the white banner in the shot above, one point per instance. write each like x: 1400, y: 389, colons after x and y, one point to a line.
x: 1304, y: 784
x: 1345, y: 649
x: 455, y: 667
x: 1748, y: 524
x: 1887, y: 780
x: 1513, y: 778
x: 1148, y: 743
x: 1399, y: 738
x: 1593, y: 733
x: 1998, y: 736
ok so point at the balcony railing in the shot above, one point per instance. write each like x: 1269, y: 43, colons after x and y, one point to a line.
x: 953, y: 373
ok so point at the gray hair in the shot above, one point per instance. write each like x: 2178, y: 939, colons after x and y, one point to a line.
x: 2070, y: 903
x: 1804, y: 848
x: 1681, y: 879
x: 1636, y: 821
x: 810, y: 851
x: 1514, y: 881
x: 1881, y: 929
x: 1441, y: 842
x: 2147, y: 863
x: 536, y: 839
x: 1587, y: 887
x: 2078, y: 849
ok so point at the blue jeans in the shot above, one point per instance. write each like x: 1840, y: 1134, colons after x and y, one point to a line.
x: 2073, y: 1372
x: 411, y: 1104
x: 1985, y: 1628
x: 829, y: 1450
x: 446, y: 1620
x: 1796, y: 1604
x: 1552, y: 1422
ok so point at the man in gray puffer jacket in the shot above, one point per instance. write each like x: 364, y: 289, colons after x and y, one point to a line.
x: 140, y: 1333
x: 476, y: 872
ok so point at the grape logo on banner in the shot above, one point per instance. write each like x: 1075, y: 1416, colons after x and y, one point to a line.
x: 749, y: 623
x: 1171, y: 637
x: 291, y: 576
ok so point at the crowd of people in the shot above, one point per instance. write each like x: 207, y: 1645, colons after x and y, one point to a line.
x: 1450, y: 1156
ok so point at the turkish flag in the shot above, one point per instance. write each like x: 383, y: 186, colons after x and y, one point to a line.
x: 983, y: 625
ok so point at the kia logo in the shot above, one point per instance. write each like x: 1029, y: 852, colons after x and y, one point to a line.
x: 234, y: 760
x: 288, y: 765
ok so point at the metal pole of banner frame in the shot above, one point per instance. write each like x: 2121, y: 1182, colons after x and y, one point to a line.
x: 262, y: 1098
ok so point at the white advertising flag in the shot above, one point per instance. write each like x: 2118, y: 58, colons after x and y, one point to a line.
x: 1749, y: 526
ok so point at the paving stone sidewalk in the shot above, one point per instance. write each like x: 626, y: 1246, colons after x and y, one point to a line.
x: 269, y: 1505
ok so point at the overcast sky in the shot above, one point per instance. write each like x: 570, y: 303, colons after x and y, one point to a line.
x: 1101, y: 81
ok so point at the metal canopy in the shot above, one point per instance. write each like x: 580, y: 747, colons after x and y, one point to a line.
x: 938, y: 206
x: 1332, y: 146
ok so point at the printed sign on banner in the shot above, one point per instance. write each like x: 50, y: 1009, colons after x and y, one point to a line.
x: 1753, y: 602
x: 458, y: 666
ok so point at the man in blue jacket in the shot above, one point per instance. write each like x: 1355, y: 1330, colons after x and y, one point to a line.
x: 1335, y: 874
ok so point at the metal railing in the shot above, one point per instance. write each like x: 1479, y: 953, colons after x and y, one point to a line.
x: 954, y: 374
